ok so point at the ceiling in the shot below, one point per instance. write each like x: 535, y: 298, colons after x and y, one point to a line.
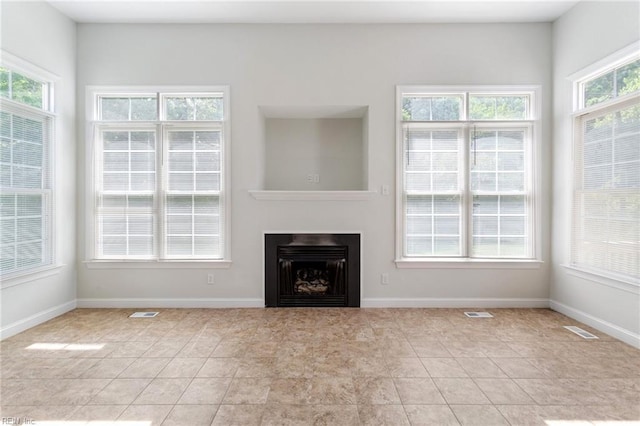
x: 319, y: 11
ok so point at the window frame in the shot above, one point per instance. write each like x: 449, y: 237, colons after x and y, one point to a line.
x: 580, y: 114
x: 93, y: 106
x: 46, y: 114
x: 466, y: 124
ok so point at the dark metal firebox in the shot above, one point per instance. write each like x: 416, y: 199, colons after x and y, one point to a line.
x: 320, y: 270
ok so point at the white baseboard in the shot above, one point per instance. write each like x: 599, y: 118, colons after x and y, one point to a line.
x: 171, y: 303
x: 613, y: 330
x: 429, y: 302
x: 36, y: 319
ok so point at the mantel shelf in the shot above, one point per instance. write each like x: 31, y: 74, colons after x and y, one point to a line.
x: 268, y: 195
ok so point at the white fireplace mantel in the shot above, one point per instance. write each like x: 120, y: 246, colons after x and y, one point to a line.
x: 269, y: 195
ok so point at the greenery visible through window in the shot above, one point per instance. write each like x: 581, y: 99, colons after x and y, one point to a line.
x: 17, y: 87
x: 131, y: 108
x: 513, y: 107
x: 450, y: 107
x: 428, y: 108
x: 194, y: 108
x: 616, y: 82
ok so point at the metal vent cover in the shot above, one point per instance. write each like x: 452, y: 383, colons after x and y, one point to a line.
x: 580, y: 332
x: 478, y: 314
x: 143, y: 314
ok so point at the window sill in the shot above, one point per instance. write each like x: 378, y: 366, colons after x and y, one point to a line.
x: 618, y: 283
x: 463, y: 263
x: 26, y: 277
x: 157, y: 264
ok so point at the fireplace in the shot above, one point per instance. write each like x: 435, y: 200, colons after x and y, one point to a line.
x: 320, y: 270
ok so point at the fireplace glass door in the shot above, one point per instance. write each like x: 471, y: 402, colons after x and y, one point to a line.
x: 312, y: 272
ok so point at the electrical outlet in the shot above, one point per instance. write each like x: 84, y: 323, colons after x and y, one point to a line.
x: 210, y: 279
x: 313, y: 178
x: 384, y: 279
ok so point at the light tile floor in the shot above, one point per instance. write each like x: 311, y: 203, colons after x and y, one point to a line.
x: 298, y: 366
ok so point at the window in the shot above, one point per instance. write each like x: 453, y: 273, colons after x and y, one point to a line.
x: 26, y: 197
x: 606, y: 186
x: 466, y: 173
x: 159, y: 175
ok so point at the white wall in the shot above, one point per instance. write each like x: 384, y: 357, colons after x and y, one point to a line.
x: 311, y: 65
x: 39, y: 34
x: 586, y: 34
x: 332, y: 148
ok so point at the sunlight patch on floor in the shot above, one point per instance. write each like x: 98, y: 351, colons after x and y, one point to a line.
x: 66, y: 346
x: 592, y: 422
x: 89, y: 423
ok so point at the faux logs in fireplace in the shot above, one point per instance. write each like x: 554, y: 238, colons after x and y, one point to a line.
x: 321, y: 270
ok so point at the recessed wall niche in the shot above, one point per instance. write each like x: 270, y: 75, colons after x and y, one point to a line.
x: 318, y: 148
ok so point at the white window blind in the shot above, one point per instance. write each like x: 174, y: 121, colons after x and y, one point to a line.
x: 192, y: 217
x: 433, y: 191
x: 606, y: 204
x: 160, y: 176
x: 467, y: 174
x: 499, y: 187
x: 126, y: 195
x: 25, y: 180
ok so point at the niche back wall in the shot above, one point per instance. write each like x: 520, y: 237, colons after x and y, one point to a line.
x: 313, y: 65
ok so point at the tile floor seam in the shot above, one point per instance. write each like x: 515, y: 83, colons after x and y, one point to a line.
x: 229, y: 387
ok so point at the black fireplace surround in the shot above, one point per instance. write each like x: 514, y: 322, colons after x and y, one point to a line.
x: 321, y: 270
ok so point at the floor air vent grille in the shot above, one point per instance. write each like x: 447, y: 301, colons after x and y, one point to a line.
x: 143, y: 314
x: 478, y: 314
x: 580, y: 332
